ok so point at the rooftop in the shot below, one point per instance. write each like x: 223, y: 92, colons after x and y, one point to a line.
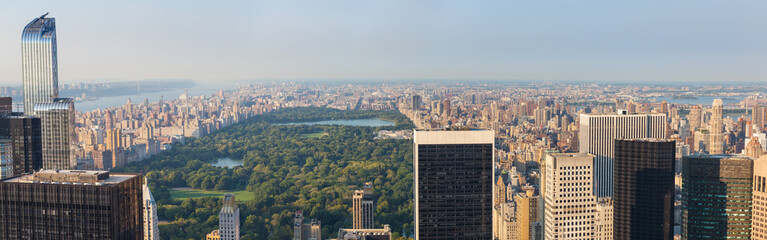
x: 71, y: 177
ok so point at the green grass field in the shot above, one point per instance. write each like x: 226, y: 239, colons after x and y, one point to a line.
x: 314, y: 135
x: 181, y: 194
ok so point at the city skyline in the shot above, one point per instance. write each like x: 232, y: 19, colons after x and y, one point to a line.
x: 235, y: 41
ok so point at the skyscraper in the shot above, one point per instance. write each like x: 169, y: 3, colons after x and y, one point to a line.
x: 58, y: 122
x: 39, y: 64
x: 643, y: 201
x: 453, y: 176
x: 694, y: 117
x: 363, y: 207
x: 229, y: 219
x: 716, y: 129
x: 527, y: 213
x: 26, y: 136
x: 6, y: 157
x: 570, y: 202
x: 70, y: 204
x: 716, y: 201
x: 151, y: 230
x: 598, y: 132
x: 759, y: 215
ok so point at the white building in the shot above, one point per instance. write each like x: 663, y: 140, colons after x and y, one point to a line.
x: 229, y: 219
x: 570, y: 204
x: 597, y: 133
x: 151, y: 231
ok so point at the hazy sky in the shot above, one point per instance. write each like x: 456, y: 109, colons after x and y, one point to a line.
x: 660, y: 41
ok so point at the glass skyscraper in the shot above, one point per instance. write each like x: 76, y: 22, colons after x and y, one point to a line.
x: 58, y: 122
x: 40, y: 68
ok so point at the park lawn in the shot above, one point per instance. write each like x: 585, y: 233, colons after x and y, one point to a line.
x: 314, y: 135
x: 184, y: 193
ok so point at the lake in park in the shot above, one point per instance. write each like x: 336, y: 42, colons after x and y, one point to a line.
x: 227, y: 163
x: 371, y: 122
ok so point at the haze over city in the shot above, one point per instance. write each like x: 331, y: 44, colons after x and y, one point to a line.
x: 599, y: 41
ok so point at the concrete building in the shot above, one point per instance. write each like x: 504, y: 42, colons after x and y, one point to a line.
x: 603, y: 221
x: 453, y: 184
x: 229, y: 219
x: 643, y: 196
x: 151, y: 229
x: 716, y: 197
x: 527, y: 213
x: 306, y: 231
x: 569, y: 198
x: 365, y: 234
x: 213, y: 235
x: 598, y: 132
x: 716, y: 129
x: 363, y: 207
x: 70, y: 204
x: 759, y: 207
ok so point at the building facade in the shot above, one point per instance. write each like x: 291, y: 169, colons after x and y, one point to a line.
x: 25, y: 133
x: 6, y: 157
x: 453, y: 176
x: 716, y: 201
x: 71, y: 204
x: 58, y: 122
x: 759, y: 208
x: 716, y: 129
x: 598, y: 132
x: 229, y: 219
x: 643, y: 197
x: 151, y: 229
x: 570, y: 202
x: 39, y: 62
x: 603, y: 221
x: 363, y: 207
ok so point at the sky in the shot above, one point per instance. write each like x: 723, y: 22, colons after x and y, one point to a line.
x: 216, y: 41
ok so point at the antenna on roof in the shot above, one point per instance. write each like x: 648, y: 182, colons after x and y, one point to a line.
x: 43, y: 16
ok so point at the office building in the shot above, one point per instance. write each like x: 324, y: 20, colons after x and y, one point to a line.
x: 365, y: 234
x: 151, y: 229
x: 643, y: 197
x: 527, y: 213
x: 716, y: 200
x: 39, y: 64
x: 69, y: 204
x: 716, y: 129
x: 6, y: 157
x: 58, y: 122
x: 453, y: 176
x: 570, y: 202
x: 229, y: 219
x: 759, y: 208
x: 598, y: 132
x: 363, y: 207
x: 25, y: 134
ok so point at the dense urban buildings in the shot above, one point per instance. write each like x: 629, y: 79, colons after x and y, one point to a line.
x: 71, y: 204
x: 39, y: 62
x: 643, y: 195
x: 598, y: 132
x: 453, y: 184
x: 716, y: 200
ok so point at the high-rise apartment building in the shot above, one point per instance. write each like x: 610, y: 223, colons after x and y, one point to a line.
x: 69, y: 204
x: 716, y: 129
x: 151, y: 229
x: 39, y: 64
x: 694, y: 117
x: 58, y: 123
x: 759, y: 208
x: 453, y: 174
x: 603, y: 220
x: 229, y: 219
x: 570, y: 202
x: 716, y: 197
x: 363, y: 207
x: 643, y: 195
x: 598, y: 132
x: 416, y: 102
x: 306, y: 231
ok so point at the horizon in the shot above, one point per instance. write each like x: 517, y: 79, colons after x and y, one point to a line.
x: 589, y: 42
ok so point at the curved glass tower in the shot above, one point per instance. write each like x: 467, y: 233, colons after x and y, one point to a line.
x: 40, y: 70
